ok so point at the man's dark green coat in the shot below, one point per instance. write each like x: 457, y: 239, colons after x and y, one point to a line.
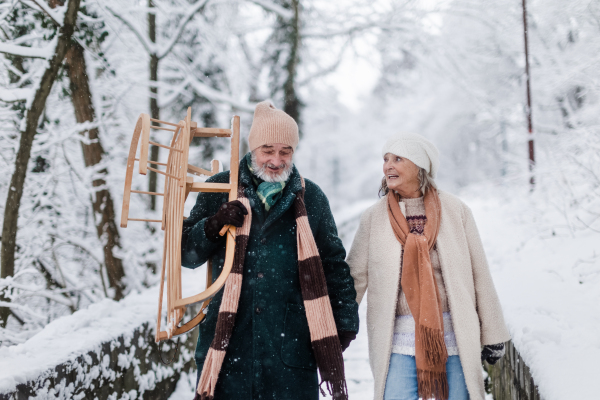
x: 270, y: 354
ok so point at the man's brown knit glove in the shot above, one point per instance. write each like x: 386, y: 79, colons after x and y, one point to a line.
x: 230, y: 213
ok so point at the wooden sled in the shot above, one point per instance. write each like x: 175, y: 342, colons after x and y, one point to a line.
x: 178, y: 184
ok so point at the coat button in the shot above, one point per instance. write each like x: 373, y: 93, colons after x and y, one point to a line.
x: 260, y: 275
x: 263, y: 240
x: 258, y: 310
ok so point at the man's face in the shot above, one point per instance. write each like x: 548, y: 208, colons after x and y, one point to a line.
x: 274, y: 159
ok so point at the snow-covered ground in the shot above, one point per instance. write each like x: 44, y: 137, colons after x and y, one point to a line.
x: 547, y: 277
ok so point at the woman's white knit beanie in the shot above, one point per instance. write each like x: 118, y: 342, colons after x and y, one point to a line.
x: 417, y: 149
x: 271, y: 125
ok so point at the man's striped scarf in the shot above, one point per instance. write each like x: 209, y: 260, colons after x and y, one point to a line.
x: 323, y: 333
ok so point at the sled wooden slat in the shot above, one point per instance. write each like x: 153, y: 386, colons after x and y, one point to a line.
x: 160, y: 293
x: 210, y: 187
x: 153, y: 162
x: 233, y: 178
x: 163, y: 173
x: 163, y: 122
x: 129, y: 171
x: 146, y: 220
x: 161, y: 128
x: 227, y: 228
x: 169, y: 168
x: 144, y: 145
x: 192, y: 169
x: 185, y: 139
x: 150, y: 193
x: 212, y: 132
x: 165, y: 146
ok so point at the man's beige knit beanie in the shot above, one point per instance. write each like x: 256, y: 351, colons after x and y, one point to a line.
x: 271, y: 125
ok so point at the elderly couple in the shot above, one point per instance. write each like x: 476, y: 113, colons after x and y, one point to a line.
x: 290, y: 305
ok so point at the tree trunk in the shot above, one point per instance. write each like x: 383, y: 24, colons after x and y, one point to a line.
x: 528, y: 110
x: 17, y: 182
x: 292, y: 104
x: 104, y: 210
x: 154, y: 110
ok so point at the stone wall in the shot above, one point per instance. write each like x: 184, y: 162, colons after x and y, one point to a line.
x: 126, y: 368
x: 510, y: 378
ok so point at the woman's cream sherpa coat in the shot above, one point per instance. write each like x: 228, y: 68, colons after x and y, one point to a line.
x: 374, y: 261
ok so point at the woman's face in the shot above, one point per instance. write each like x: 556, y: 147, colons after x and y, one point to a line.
x: 401, y: 174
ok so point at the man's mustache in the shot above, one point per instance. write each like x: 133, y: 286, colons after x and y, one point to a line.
x: 281, y: 166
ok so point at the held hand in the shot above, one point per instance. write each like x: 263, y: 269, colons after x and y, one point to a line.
x: 230, y: 213
x: 346, y: 338
x: 492, y: 353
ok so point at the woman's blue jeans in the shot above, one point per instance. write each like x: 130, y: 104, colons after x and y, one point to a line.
x: 401, y: 383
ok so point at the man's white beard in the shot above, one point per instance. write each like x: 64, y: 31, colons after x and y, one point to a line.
x: 262, y: 172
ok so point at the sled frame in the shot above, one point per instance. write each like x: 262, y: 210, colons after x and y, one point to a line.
x: 178, y: 185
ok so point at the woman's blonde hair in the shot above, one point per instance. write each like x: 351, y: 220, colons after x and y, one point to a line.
x: 426, y: 182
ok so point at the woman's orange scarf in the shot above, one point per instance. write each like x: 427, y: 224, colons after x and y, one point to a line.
x: 422, y: 296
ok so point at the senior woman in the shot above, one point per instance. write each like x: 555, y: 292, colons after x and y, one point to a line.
x: 432, y: 311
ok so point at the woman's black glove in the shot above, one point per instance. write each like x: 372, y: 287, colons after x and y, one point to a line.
x: 346, y: 338
x: 230, y: 213
x: 492, y: 353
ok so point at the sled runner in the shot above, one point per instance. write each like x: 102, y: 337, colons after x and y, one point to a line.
x: 179, y: 182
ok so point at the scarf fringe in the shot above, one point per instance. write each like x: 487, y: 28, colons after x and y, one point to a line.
x: 433, y: 344
x: 433, y: 385
x: 338, y: 390
x: 210, y: 374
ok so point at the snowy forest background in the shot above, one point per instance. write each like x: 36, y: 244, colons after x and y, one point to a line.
x: 351, y: 72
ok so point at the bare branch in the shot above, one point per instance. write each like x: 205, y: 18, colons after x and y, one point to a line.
x: 79, y: 246
x: 276, y: 8
x: 23, y: 308
x: 329, y: 69
x: 16, y: 316
x: 219, y: 97
x: 197, y: 7
x: 29, y: 52
x: 14, y: 95
x: 349, y: 31
x: 149, y: 46
x: 35, y: 291
x: 52, y: 14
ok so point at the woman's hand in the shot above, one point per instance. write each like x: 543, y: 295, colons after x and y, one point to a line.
x: 346, y: 338
x: 492, y: 353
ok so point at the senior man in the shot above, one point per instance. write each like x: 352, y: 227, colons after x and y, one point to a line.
x: 289, y: 305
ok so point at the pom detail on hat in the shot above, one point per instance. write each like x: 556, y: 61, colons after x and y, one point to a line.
x: 271, y: 125
x: 417, y: 149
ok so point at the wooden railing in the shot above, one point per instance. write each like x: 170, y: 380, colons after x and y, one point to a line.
x: 510, y: 378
